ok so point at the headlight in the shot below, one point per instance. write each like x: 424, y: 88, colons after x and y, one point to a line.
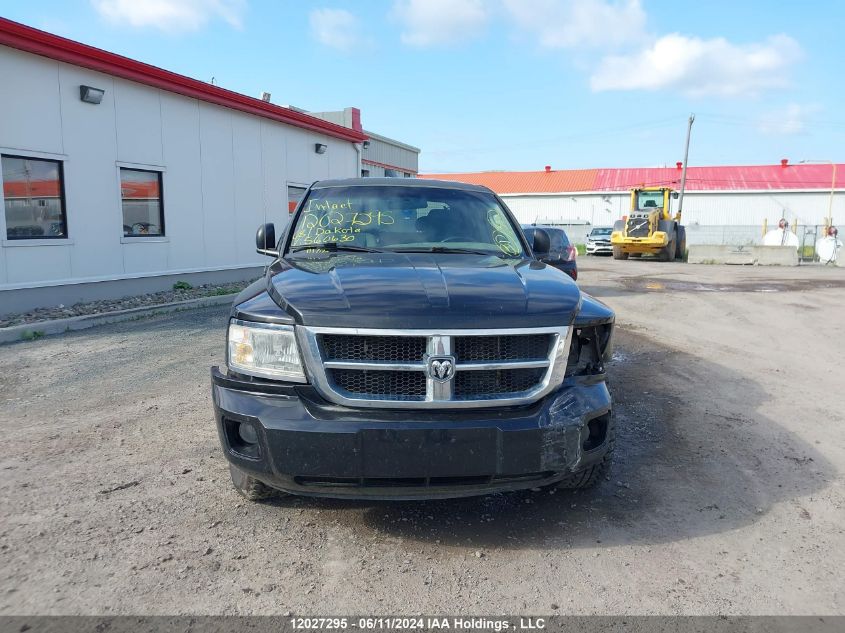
x: 264, y: 350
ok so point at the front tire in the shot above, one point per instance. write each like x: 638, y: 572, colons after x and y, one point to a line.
x: 681, y: 249
x: 618, y: 253
x: 249, y: 487
x: 667, y: 253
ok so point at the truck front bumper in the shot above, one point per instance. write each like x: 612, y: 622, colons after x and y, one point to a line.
x: 652, y: 244
x: 306, y: 445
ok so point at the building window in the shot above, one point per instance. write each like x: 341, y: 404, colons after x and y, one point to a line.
x: 34, y: 198
x: 294, y: 196
x: 143, y: 207
x: 365, y: 173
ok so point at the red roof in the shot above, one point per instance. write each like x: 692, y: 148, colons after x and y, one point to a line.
x: 527, y: 181
x: 32, y: 40
x: 140, y: 190
x: 736, y: 178
x: 51, y: 189
x: 31, y: 189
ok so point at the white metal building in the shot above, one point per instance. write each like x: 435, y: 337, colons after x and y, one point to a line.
x: 716, y: 197
x: 381, y: 156
x: 119, y: 177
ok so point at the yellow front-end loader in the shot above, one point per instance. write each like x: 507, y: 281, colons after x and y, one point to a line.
x: 650, y: 228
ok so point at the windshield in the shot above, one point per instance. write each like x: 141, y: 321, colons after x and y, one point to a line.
x: 402, y: 219
x: 600, y: 232
x: 649, y: 200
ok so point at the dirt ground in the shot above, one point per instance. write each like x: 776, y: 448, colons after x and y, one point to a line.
x: 726, y: 494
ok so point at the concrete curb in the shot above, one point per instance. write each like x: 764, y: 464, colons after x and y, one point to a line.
x: 58, y: 326
x: 753, y: 255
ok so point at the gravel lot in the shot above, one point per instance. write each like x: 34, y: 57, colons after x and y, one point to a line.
x: 726, y: 494
x: 109, y: 305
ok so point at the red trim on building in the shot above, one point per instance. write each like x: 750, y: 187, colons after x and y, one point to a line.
x: 366, y: 161
x: 25, y: 38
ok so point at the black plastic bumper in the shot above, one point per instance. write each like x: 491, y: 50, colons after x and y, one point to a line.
x: 311, y: 447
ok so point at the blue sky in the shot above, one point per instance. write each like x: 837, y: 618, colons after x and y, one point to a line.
x: 511, y: 84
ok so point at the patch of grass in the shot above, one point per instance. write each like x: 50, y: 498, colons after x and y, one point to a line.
x: 581, y: 248
x: 226, y: 290
x: 32, y: 335
x: 182, y: 285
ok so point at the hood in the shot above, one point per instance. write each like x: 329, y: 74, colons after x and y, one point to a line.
x: 422, y: 290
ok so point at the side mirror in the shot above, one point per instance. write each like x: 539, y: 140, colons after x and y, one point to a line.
x: 675, y: 195
x: 542, y: 244
x: 265, y: 240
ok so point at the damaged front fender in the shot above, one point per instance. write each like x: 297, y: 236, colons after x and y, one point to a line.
x: 566, y: 426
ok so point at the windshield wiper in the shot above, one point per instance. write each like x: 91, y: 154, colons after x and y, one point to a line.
x: 334, y: 247
x: 447, y: 249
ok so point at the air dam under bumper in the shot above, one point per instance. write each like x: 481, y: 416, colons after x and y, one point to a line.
x: 307, y: 446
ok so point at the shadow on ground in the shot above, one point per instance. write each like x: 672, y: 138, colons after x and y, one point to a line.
x: 693, y: 459
x: 694, y: 456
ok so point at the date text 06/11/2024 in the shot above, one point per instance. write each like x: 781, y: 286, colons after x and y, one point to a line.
x: 417, y: 623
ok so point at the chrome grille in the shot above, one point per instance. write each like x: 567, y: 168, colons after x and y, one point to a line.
x: 378, y: 348
x: 386, y: 385
x: 399, y: 369
x: 498, y: 348
x: 491, y: 383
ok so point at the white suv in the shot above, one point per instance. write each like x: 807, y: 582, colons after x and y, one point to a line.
x: 598, y: 241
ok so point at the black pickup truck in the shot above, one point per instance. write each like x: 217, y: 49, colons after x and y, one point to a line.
x: 407, y: 343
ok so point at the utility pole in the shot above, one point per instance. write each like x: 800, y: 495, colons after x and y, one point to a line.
x: 684, y: 172
x: 829, y: 219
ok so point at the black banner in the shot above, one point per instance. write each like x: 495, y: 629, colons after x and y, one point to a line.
x: 450, y: 623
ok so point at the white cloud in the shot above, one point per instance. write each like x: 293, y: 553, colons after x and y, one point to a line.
x: 698, y: 67
x: 432, y: 22
x: 171, y: 15
x: 339, y: 29
x: 579, y: 23
x: 787, y: 121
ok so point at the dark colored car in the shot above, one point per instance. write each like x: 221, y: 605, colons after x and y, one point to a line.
x: 562, y: 255
x: 406, y: 342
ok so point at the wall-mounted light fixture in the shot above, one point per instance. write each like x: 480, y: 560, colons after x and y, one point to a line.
x: 365, y: 144
x: 91, y: 95
x: 320, y: 148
